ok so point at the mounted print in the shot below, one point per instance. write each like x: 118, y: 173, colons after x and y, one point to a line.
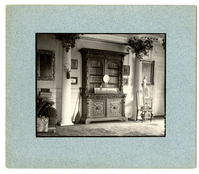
x: 103, y: 81
x: 148, y: 71
x: 74, y: 64
x: 45, y: 65
x: 125, y: 81
x: 74, y: 80
x: 126, y: 70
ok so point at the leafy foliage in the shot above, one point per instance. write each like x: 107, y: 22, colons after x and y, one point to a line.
x: 164, y: 43
x: 67, y: 40
x: 141, y: 46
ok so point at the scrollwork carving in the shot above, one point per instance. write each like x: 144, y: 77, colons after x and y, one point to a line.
x: 105, y: 96
x: 89, y: 113
x: 87, y: 74
x: 121, y: 78
x: 103, y: 53
x: 98, y: 108
x: 123, y: 110
x: 115, y: 107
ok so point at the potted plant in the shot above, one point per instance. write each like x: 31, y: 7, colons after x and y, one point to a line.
x: 67, y: 40
x: 141, y: 47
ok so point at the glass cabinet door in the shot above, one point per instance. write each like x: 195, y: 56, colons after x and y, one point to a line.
x: 113, y: 72
x: 96, y: 72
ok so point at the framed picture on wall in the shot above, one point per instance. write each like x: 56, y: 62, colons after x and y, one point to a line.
x: 74, y: 80
x: 74, y: 64
x: 125, y: 80
x: 148, y: 71
x: 126, y: 70
x: 45, y: 65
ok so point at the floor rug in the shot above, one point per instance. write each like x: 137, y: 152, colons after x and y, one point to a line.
x: 110, y: 129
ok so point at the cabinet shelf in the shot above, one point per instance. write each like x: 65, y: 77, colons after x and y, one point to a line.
x: 113, y: 83
x: 96, y: 67
x: 114, y: 68
x: 113, y: 75
x: 96, y: 75
x: 96, y: 82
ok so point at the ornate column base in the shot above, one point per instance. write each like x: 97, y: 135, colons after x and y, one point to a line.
x: 132, y: 118
x: 66, y: 122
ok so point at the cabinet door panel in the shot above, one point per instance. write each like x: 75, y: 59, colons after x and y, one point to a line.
x: 114, y: 107
x: 98, y: 108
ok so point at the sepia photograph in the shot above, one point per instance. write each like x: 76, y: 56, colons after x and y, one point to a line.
x: 117, y: 90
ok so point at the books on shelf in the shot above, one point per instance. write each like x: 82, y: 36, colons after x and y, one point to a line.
x: 96, y: 63
x: 41, y: 94
x: 114, y: 72
x: 98, y: 71
x: 96, y: 79
x: 113, y: 65
x: 114, y: 80
x: 45, y: 90
x: 47, y: 98
x: 47, y: 95
x: 113, y: 86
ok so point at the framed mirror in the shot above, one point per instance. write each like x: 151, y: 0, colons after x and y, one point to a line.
x: 148, y: 70
x: 45, y: 65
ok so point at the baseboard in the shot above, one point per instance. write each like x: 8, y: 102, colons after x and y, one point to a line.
x: 159, y: 115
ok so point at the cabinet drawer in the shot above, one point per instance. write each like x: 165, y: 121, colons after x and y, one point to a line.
x: 114, y: 107
x: 98, y: 108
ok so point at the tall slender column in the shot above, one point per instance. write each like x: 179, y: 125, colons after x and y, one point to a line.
x: 138, y: 74
x: 137, y: 85
x: 66, y: 92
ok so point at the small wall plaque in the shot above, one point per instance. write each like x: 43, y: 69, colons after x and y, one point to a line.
x: 126, y: 81
x: 74, y: 80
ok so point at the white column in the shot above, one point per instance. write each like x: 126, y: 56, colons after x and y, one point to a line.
x: 66, y: 92
x: 137, y: 85
x: 138, y: 74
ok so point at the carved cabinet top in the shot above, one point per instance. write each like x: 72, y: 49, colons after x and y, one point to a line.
x: 102, y: 53
x: 104, y: 96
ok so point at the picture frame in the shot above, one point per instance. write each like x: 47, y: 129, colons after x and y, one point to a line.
x: 148, y: 70
x: 45, y: 65
x: 74, y: 80
x: 74, y: 64
x: 125, y: 81
x: 126, y: 70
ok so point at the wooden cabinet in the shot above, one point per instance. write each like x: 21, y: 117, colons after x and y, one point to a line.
x: 109, y: 104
